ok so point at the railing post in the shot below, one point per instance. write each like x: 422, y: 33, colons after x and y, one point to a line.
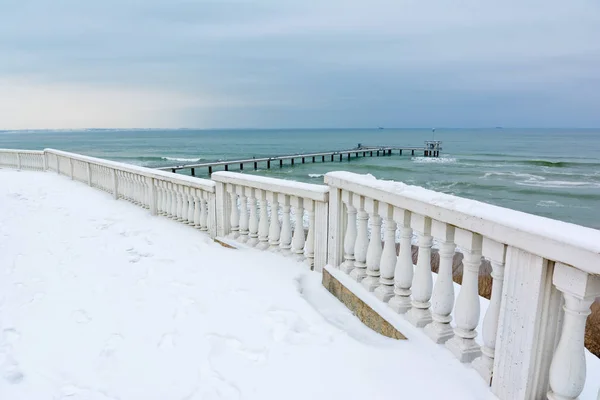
x: 212, y: 215
x: 71, y: 168
x: 568, y: 367
x: 362, y: 242
x: 285, y: 235
x: 274, y: 226
x: 350, y: 235
x: 529, y: 311
x: 385, y: 290
x: 45, y: 160
x: 466, y: 312
x: 496, y: 252
x: 18, y: 160
x: 222, y: 209
x: 89, y: 173
x: 422, y: 286
x: 335, y: 227
x: 374, y: 249
x: 404, y: 270
x: 152, y: 194
x: 321, y: 221
x: 115, y: 184
x: 442, y: 299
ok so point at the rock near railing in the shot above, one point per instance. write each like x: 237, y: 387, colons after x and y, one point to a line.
x: 544, y: 274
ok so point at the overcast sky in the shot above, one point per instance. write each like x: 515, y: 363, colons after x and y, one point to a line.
x: 300, y: 63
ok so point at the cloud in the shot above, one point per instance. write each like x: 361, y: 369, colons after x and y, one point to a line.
x: 269, y: 63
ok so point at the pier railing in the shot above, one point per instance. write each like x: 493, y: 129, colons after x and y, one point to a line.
x: 545, y: 273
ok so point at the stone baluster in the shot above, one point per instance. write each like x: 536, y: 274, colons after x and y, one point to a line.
x: 234, y: 219
x: 496, y: 253
x: 184, y: 204
x: 188, y: 216
x: 178, y: 202
x: 371, y: 281
x: 274, y: 227
x: 350, y: 236
x: 192, y: 206
x: 419, y: 315
x: 285, y: 237
x: 309, y: 248
x: 298, y: 239
x: 466, y: 312
x: 197, y: 208
x: 404, y: 271
x: 568, y: 367
x: 204, y: 211
x: 362, y: 240
x: 385, y: 290
x: 263, y: 224
x: 253, y: 222
x: 442, y: 299
x: 241, y: 191
x: 163, y: 197
x: 167, y: 199
x: 159, y: 198
x: 173, y: 201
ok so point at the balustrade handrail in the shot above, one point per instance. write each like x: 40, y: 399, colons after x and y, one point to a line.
x: 555, y: 240
x: 292, y: 188
x: 36, y: 152
x: 198, y: 183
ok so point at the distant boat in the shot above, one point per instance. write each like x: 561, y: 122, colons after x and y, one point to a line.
x: 381, y: 127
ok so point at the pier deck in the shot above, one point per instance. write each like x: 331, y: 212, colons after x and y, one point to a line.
x: 431, y: 149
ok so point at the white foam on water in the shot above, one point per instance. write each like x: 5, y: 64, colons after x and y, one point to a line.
x: 559, y: 184
x: 529, y: 177
x: 316, y: 175
x: 548, y: 203
x: 433, y: 160
x: 180, y: 159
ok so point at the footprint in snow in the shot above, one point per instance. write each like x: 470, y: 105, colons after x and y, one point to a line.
x: 81, y: 317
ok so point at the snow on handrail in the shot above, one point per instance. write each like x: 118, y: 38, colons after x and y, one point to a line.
x: 552, y: 239
x: 293, y: 188
x: 535, y: 264
x: 204, y: 184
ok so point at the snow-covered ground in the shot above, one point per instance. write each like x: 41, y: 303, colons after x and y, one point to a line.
x: 99, y: 300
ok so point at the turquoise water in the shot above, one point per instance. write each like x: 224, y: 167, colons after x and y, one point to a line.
x: 553, y: 173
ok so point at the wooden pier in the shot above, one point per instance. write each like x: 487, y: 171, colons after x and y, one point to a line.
x: 431, y: 149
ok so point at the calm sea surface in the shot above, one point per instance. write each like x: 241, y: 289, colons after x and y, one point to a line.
x: 553, y: 173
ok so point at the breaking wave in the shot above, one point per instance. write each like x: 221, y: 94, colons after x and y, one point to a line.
x: 433, y: 160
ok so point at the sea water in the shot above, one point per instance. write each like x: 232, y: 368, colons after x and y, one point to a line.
x: 549, y: 172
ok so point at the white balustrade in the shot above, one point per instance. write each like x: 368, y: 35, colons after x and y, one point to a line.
x: 244, y: 227
x: 235, y: 215
x: 350, y: 235
x: 298, y: 238
x: 466, y: 312
x: 270, y: 221
x: 371, y: 280
x: 253, y: 222
x: 545, y: 274
x: 385, y: 290
x: 263, y: 222
x: 419, y: 315
x: 358, y: 273
x: 404, y: 269
x: 442, y: 300
x: 285, y: 237
x: 274, y: 226
x: 496, y: 253
x: 568, y: 367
